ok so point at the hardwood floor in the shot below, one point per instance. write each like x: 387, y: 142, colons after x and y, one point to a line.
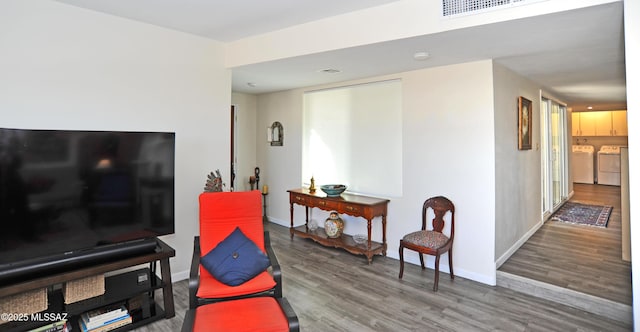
x: 332, y: 290
x: 580, y: 258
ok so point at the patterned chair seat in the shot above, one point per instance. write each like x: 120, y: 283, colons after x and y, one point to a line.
x: 428, y: 239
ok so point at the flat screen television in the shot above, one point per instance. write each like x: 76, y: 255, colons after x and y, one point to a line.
x: 71, y: 197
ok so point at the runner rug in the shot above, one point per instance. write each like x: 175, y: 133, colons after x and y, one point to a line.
x: 583, y: 214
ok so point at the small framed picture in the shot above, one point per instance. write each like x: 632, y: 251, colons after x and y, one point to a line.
x: 276, y: 134
x: 524, y: 123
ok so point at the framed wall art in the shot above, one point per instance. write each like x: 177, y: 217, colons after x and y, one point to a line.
x: 524, y: 123
x: 275, y: 136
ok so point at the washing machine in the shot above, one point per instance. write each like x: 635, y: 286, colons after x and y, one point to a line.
x: 609, y: 165
x: 582, y: 163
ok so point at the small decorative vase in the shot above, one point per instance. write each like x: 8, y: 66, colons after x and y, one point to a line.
x: 334, y: 225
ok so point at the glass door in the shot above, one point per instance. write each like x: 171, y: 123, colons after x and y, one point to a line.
x: 544, y: 156
x: 554, y: 155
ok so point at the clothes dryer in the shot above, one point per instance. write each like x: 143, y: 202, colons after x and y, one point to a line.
x: 582, y: 163
x: 609, y: 165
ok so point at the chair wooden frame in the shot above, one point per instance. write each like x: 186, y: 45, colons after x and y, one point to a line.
x: 440, y: 206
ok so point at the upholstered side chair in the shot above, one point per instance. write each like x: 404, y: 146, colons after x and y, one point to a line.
x: 432, y: 241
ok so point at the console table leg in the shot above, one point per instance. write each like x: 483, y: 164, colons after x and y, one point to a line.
x: 291, y: 228
x: 384, y: 234
x: 167, y: 289
x: 306, y: 216
x: 369, y: 234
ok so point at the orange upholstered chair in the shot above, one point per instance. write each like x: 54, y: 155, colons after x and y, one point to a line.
x: 264, y: 314
x: 220, y: 214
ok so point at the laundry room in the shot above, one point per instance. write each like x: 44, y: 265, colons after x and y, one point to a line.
x: 596, y: 138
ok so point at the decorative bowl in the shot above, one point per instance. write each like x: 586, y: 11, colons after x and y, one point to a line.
x: 333, y: 190
x: 313, y: 225
x: 360, y: 238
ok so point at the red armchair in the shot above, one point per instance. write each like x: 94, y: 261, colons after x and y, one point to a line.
x: 252, y: 305
x: 220, y: 214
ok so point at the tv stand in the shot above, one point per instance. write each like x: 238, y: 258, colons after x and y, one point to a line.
x: 119, y: 288
x: 74, y: 259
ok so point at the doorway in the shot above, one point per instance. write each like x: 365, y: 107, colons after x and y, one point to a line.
x: 233, y: 157
x: 554, y: 155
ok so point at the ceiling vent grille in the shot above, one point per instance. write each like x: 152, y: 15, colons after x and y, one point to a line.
x: 468, y: 7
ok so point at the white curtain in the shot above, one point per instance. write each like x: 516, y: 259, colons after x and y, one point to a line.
x: 353, y: 135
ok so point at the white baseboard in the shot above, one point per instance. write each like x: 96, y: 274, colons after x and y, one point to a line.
x: 518, y: 244
x: 181, y: 275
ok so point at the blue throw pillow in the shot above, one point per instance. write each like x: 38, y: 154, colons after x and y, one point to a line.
x: 235, y: 260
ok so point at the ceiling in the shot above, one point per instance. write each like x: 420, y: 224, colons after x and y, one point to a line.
x: 576, y: 55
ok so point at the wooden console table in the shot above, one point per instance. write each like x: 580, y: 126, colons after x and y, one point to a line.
x: 353, y: 205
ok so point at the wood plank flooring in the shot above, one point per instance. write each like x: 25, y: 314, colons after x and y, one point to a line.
x: 580, y: 258
x: 332, y: 290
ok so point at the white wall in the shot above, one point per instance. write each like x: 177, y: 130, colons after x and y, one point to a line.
x: 281, y: 165
x: 632, y: 56
x: 65, y: 67
x: 448, y: 149
x: 518, y: 172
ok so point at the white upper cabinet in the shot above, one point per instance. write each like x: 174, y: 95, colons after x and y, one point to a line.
x: 619, y: 123
x: 595, y: 123
x: 575, y: 124
x: 605, y: 123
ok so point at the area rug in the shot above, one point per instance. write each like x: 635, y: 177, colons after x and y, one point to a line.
x: 583, y: 214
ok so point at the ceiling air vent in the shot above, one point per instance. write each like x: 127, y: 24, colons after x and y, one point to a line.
x: 468, y: 7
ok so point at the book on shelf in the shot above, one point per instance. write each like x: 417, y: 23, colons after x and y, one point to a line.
x: 105, y: 310
x: 107, y: 326
x: 58, y: 326
x: 104, y: 314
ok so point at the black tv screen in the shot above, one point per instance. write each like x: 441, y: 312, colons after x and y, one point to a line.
x: 63, y: 191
